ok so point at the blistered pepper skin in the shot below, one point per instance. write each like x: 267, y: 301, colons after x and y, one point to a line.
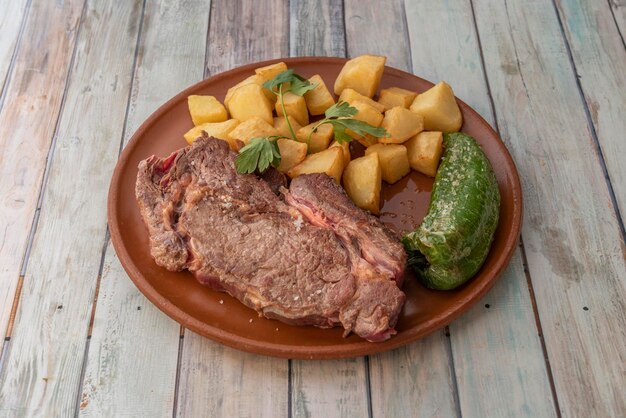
x: 453, y: 240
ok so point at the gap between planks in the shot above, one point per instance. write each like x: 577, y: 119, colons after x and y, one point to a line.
x: 521, y: 242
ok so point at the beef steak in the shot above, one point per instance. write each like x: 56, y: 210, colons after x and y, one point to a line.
x: 309, y: 257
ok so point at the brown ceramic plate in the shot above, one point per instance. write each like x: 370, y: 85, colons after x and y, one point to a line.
x: 222, y: 318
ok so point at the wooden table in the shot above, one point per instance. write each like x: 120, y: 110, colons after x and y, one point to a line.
x: 78, y: 77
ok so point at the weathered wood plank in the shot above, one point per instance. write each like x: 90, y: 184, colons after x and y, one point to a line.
x: 324, y: 388
x: 239, y: 33
x: 571, y: 235
x: 31, y: 107
x: 371, y: 28
x: 619, y: 11
x: 133, y: 353
x: 217, y: 381
x: 12, y: 16
x: 600, y: 60
x: 316, y: 28
x: 44, y: 364
x: 498, y: 359
x: 246, y: 31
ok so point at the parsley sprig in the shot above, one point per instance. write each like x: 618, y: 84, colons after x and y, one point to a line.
x: 260, y: 153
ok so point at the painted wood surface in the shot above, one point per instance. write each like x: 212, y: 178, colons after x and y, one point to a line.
x: 250, y: 385
x: 218, y: 381
x: 12, y: 17
x: 31, y: 106
x: 600, y: 59
x: 498, y: 358
x: 316, y: 28
x: 618, y: 7
x: 133, y: 353
x: 47, y: 347
x: 571, y: 235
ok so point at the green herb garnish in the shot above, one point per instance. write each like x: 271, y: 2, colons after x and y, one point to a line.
x: 259, y: 154
x: 340, y: 116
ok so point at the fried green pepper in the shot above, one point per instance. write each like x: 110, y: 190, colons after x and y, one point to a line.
x: 453, y: 240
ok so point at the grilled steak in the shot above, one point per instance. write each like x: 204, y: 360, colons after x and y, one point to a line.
x: 309, y: 257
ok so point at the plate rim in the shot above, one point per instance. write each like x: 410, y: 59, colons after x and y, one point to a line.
x: 239, y: 342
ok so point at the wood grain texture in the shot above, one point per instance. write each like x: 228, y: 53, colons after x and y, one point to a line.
x: 371, y: 29
x: 414, y: 381
x: 254, y: 386
x: 600, y: 59
x: 12, y: 16
x: 498, y: 359
x: 133, y: 353
x: 619, y: 12
x: 45, y: 361
x: 316, y: 28
x: 246, y: 31
x: 218, y: 381
x: 330, y: 388
x: 571, y: 235
x: 29, y: 114
x: 322, y: 388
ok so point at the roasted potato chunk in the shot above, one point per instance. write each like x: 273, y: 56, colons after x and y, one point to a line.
x: 254, y: 127
x: 319, y: 139
x: 253, y: 79
x: 424, y: 152
x: 351, y: 96
x: 401, y: 124
x: 295, y: 106
x: 395, y: 96
x: 362, y: 74
x: 291, y: 153
x: 394, y: 161
x: 319, y: 99
x: 205, y: 109
x: 249, y: 101
x: 329, y: 161
x: 219, y: 130
x: 345, y: 147
x: 439, y: 109
x: 281, y: 125
x: 362, y: 180
x: 268, y: 72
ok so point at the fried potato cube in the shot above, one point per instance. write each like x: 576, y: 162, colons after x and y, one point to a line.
x: 319, y: 139
x: 401, y: 124
x: 295, y: 106
x: 439, y: 109
x: 319, y: 99
x: 268, y: 72
x: 362, y: 74
x: 394, y: 161
x: 395, y: 96
x: 219, y: 130
x: 424, y: 152
x: 249, y: 101
x: 329, y: 161
x: 291, y: 153
x: 281, y: 125
x: 345, y: 147
x: 362, y: 180
x: 253, y: 79
x: 365, y: 113
x: 351, y: 96
x: 254, y: 127
x: 204, y: 109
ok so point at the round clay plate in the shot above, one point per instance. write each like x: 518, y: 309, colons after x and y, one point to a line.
x: 222, y: 318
